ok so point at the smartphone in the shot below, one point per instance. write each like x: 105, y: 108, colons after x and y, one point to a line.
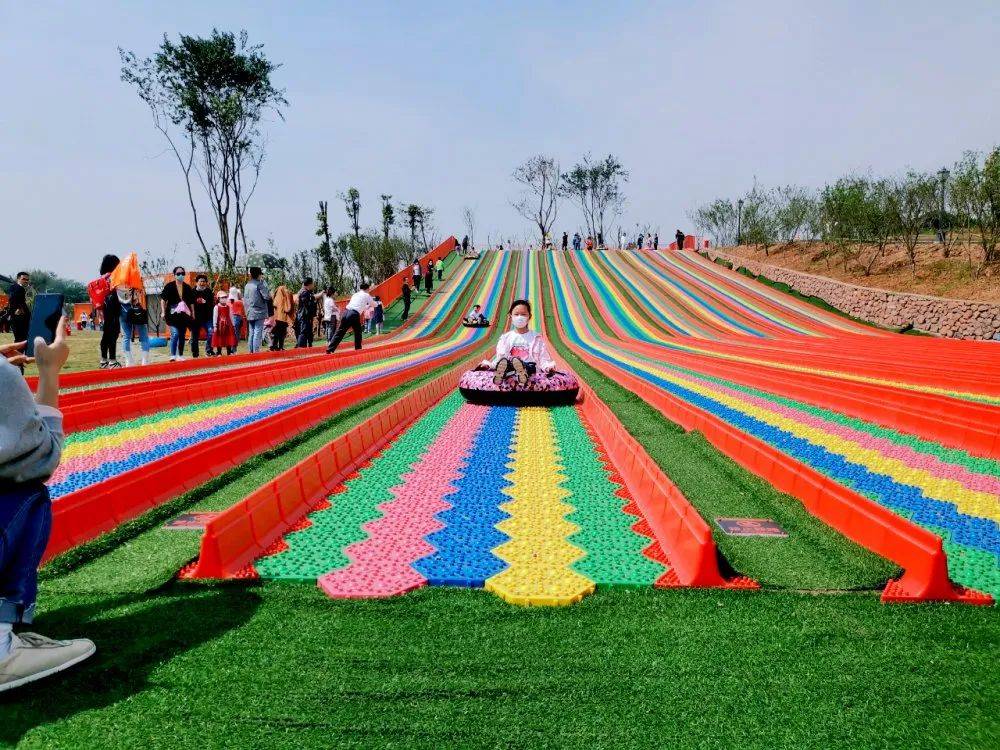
x: 44, y: 319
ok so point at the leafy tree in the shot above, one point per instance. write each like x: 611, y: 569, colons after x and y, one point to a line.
x: 878, y: 219
x: 352, y: 203
x: 208, y: 97
x: 596, y: 187
x: 412, y: 212
x: 760, y: 222
x: 913, y: 200
x: 388, y: 216
x: 841, y: 206
x: 331, y: 264
x: 718, y: 219
x: 375, y: 257
x: 794, y: 208
x: 539, y: 178
x: 975, y: 193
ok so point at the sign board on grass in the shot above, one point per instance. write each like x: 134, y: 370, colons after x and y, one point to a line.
x: 750, y: 527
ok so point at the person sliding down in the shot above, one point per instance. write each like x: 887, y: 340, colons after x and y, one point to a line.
x: 520, y: 352
x: 476, y: 317
x: 360, y: 303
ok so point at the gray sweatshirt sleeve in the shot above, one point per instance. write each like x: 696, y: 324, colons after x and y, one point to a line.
x: 31, y: 435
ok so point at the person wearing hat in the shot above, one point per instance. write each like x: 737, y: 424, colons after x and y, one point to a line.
x: 223, y: 329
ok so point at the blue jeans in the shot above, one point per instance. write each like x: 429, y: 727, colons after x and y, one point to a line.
x: 255, y: 335
x: 238, y: 325
x: 25, y: 522
x: 177, y: 340
x: 196, y: 329
x: 127, y: 327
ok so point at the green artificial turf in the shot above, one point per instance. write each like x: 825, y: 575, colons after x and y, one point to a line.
x: 280, y: 665
x: 813, y: 557
x: 394, y: 311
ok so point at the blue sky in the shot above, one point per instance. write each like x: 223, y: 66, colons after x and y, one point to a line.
x: 437, y: 102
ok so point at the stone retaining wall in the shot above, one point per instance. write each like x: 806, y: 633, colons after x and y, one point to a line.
x: 952, y: 318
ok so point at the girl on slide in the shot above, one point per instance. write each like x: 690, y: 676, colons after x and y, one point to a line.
x: 520, y: 352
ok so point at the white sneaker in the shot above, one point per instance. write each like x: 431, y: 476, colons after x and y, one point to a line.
x: 34, y: 656
x: 171, y: 359
x: 180, y: 359
x: 144, y: 359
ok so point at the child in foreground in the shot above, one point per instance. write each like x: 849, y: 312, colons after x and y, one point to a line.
x: 31, y: 441
x: 520, y: 352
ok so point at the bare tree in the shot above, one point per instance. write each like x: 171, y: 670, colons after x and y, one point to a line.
x: 469, y: 217
x: 208, y: 97
x: 540, y: 179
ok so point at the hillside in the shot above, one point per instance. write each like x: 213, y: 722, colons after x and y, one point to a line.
x: 955, y: 276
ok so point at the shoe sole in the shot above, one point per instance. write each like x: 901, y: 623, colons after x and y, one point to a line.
x: 41, y: 675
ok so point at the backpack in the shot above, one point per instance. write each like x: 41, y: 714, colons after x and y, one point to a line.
x: 98, y: 289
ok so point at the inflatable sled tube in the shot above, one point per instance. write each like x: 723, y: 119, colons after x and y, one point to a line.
x: 556, y: 389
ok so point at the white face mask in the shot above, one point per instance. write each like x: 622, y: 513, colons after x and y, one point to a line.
x: 520, y: 321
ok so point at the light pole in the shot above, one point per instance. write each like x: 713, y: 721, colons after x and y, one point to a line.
x: 943, y: 174
x: 739, y: 221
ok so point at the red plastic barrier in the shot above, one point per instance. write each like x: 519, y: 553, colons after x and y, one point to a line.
x: 677, y: 526
x: 392, y: 288
x: 240, y: 534
x: 110, y: 407
x: 94, y: 510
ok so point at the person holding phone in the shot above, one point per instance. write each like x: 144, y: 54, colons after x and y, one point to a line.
x: 31, y: 439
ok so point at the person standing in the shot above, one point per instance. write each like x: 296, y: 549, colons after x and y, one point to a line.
x: 649, y: 242
x: 17, y: 304
x: 680, y: 239
x: 238, y: 312
x: 440, y: 269
x: 176, y: 304
x: 565, y: 241
x: 416, y: 274
x: 590, y: 243
x: 257, y: 304
x: 656, y: 242
x: 465, y: 244
x: 223, y: 331
x: 638, y: 242
x: 378, y: 315
x: 429, y: 277
x: 331, y: 313
x: 31, y: 443
x: 359, y: 305
x: 283, y: 317
x: 204, y: 309
x: 576, y: 241
x: 306, y: 314
x: 406, y: 301
x: 109, y: 309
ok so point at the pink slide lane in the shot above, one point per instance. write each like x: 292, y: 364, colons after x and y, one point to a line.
x: 381, y: 564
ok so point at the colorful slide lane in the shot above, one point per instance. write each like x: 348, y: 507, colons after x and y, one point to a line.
x: 949, y: 492
x: 516, y: 501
